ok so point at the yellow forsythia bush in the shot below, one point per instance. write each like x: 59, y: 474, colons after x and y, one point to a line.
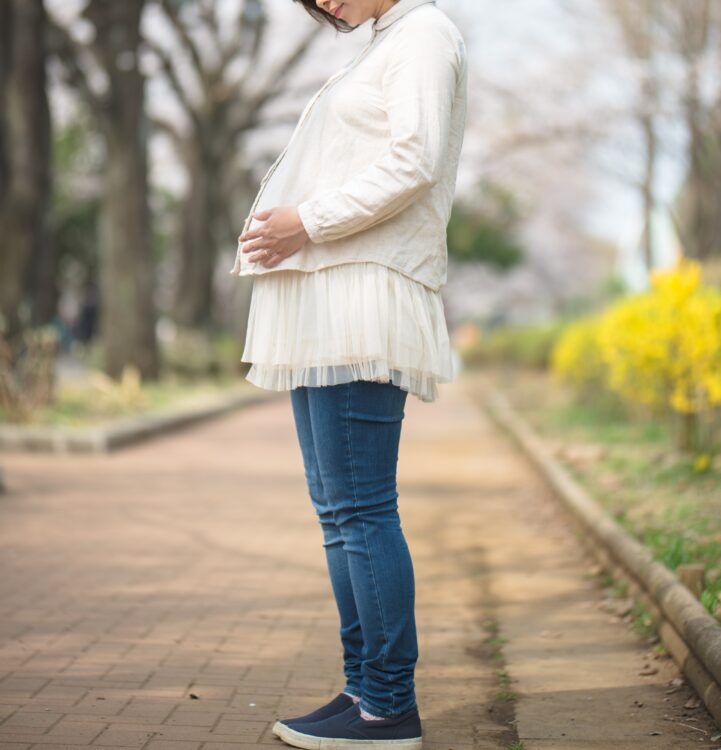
x: 576, y: 357
x: 660, y: 348
x: 663, y: 347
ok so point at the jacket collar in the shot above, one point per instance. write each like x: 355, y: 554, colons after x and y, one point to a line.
x: 397, y: 11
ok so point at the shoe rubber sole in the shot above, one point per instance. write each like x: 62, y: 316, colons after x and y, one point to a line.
x: 309, y: 742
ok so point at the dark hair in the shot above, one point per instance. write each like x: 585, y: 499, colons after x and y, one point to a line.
x: 321, y: 15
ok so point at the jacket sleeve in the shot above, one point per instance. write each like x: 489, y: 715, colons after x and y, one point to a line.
x: 419, y: 86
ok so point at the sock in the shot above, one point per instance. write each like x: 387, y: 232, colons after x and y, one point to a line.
x: 355, y: 697
x: 365, y: 715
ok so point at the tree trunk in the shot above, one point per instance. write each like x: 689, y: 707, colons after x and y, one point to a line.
x: 24, y: 155
x: 127, y: 314
x: 700, y: 217
x: 687, y: 431
x: 198, y: 244
x: 700, y: 207
x: 647, y: 188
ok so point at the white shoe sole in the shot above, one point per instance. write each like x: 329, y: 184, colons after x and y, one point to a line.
x: 307, y: 741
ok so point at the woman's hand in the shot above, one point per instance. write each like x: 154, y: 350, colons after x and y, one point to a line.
x: 281, y: 235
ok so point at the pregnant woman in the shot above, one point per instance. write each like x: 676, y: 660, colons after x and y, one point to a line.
x: 349, y: 254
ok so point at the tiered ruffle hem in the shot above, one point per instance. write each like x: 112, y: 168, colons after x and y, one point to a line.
x: 351, y: 321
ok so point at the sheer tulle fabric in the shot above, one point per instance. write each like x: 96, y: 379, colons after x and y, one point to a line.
x: 351, y: 321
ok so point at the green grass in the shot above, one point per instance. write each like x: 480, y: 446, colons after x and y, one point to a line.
x: 606, y: 423
x: 88, y: 405
x: 617, y: 588
x: 648, y: 486
x: 503, y: 678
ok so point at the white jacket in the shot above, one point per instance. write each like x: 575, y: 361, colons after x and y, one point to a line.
x: 371, y: 165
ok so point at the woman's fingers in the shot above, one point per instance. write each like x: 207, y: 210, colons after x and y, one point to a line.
x: 268, y: 258
x: 252, y: 234
x: 257, y: 245
x: 261, y: 259
x: 268, y: 251
x: 273, y: 261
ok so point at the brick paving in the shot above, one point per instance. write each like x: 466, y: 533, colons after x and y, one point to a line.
x: 192, y: 565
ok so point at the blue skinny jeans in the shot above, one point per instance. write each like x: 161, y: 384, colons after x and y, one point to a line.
x: 349, y: 435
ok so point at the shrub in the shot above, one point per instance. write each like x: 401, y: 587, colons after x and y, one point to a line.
x: 663, y: 347
x: 660, y: 349
x: 196, y: 353
x: 576, y: 358
x: 27, y: 373
x: 529, y: 346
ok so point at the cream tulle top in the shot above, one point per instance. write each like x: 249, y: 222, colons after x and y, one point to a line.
x: 351, y: 321
x: 371, y: 167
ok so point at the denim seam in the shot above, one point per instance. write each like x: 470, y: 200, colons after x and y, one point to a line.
x: 365, y: 537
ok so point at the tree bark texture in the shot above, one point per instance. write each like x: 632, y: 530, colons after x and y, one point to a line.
x: 127, y: 311
x: 25, y: 144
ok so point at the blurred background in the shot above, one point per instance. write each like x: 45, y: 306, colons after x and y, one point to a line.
x: 133, y: 137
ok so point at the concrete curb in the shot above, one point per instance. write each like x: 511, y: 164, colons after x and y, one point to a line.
x: 691, y: 635
x: 125, y: 430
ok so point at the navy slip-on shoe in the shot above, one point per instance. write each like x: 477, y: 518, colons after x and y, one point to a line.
x: 349, y: 730
x: 338, y: 704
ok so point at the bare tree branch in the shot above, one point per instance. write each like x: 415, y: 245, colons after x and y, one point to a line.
x: 244, y: 114
x: 69, y: 51
x: 181, y: 30
x: 272, y: 87
x: 174, y: 80
x: 169, y: 129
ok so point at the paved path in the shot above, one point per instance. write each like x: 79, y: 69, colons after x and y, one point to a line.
x: 191, y: 565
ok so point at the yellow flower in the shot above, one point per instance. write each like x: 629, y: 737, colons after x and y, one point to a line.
x: 660, y: 348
